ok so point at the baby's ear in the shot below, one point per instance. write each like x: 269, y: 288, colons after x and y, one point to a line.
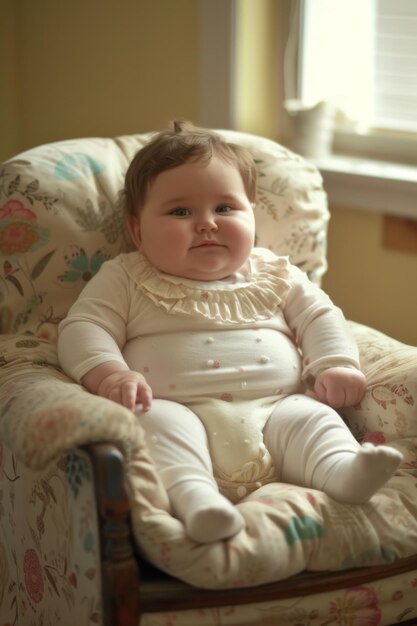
x: 133, y: 225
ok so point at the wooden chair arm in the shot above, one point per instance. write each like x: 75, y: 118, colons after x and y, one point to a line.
x: 120, y: 570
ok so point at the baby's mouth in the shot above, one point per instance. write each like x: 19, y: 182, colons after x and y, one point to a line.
x: 207, y: 243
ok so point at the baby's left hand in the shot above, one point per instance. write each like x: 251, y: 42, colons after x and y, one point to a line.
x: 340, y: 386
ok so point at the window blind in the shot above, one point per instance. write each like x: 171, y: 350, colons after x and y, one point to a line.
x: 359, y: 54
x: 395, y: 74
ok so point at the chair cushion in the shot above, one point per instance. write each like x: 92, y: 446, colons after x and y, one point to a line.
x: 288, y: 528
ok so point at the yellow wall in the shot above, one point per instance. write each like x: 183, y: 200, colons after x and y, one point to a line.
x: 96, y: 67
x: 372, y: 284
x: 9, y: 79
x: 257, y: 82
x: 108, y: 67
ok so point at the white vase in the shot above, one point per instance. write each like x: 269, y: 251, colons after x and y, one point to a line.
x: 312, y: 128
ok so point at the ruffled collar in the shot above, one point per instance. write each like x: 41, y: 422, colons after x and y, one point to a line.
x: 256, y: 296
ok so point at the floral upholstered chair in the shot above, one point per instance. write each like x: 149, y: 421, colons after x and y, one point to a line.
x: 86, y: 531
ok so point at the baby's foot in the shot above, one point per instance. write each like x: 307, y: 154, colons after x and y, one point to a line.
x: 213, y: 523
x: 207, y: 515
x: 359, y: 476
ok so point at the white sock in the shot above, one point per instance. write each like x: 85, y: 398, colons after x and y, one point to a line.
x: 356, y: 477
x: 206, y: 513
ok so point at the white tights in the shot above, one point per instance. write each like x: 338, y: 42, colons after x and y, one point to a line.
x: 309, y: 444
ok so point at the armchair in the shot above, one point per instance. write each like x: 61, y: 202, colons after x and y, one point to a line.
x: 86, y: 532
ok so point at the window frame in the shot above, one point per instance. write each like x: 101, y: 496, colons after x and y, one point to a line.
x: 372, y: 169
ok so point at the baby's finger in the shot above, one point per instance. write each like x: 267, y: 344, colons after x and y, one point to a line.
x: 320, y: 391
x: 357, y: 395
x: 114, y: 395
x: 336, y: 397
x: 144, y: 395
x: 330, y: 394
x: 128, y: 393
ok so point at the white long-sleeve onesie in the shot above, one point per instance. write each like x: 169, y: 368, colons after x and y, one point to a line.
x: 228, y: 350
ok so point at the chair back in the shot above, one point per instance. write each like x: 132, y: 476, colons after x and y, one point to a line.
x: 60, y: 220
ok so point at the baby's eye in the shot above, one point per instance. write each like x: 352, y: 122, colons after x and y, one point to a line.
x: 223, y: 208
x: 180, y: 212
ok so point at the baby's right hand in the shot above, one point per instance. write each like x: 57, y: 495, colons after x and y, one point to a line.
x: 127, y: 388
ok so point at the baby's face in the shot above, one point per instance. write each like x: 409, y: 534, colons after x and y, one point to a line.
x: 197, y: 221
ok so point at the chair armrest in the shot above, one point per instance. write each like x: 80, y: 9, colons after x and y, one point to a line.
x: 120, y: 571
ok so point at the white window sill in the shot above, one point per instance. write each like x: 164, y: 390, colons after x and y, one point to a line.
x: 369, y: 185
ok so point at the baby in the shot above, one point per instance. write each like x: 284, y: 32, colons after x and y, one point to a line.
x: 213, y: 343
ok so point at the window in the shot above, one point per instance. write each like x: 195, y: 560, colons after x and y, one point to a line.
x: 361, y: 56
x: 395, y: 66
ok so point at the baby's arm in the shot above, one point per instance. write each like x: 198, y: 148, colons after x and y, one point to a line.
x: 91, y: 356
x: 330, y: 352
x: 92, y: 336
x: 117, y: 382
x: 340, y: 386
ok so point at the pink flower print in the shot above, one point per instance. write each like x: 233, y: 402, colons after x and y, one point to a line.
x: 226, y: 397
x: 72, y: 579
x: 17, y: 237
x: 33, y: 575
x: 310, y: 498
x: 15, y: 208
x: 397, y: 595
x: 376, y: 437
x: 52, y: 425
x: 8, y: 268
x: 19, y: 231
x: 358, y: 606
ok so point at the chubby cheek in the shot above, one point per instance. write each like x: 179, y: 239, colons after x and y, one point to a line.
x: 162, y: 245
x: 243, y: 236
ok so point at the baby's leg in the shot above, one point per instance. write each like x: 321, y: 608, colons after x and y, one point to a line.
x: 178, y: 445
x: 312, y: 446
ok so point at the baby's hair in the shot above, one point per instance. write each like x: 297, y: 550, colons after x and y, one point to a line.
x: 173, y: 147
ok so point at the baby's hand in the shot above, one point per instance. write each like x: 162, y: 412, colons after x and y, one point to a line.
x: 340, y: 386
x: 126, y: 387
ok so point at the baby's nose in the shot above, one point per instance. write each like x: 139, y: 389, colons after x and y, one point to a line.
x: 206, y: 223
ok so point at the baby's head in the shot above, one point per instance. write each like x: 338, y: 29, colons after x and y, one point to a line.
x: 174, y: 147
x: 189, y: 199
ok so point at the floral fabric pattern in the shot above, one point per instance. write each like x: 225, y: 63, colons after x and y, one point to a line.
x: 49, y: 550
x: 379, y: 604
x: 59, y: 221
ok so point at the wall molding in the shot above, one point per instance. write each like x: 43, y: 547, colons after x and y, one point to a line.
x: 217, y: 62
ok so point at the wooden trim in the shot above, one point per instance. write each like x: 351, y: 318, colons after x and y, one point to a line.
x: 120, y: 571
x: 369, y: 185
x: 217, y: 63
x: 400, y: 234
x: 167, y: 594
